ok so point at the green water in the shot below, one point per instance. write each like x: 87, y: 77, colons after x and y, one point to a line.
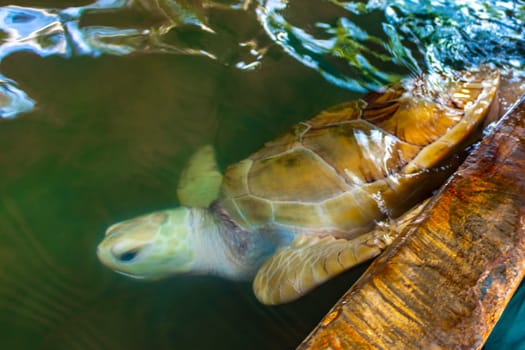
x: 106, y: 141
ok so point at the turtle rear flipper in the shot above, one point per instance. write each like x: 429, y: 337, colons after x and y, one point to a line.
x: 200, y: 180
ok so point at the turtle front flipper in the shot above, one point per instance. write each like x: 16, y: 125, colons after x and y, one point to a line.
x: 200, y: 180
x: 310, y: 261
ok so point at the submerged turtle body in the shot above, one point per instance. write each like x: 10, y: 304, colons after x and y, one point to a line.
x: 351, y: 165
x: 303, y: 208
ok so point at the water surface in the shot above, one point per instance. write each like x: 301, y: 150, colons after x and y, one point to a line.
x: 104, y: 102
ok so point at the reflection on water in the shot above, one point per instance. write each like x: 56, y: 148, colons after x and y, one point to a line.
x: 113, y: 126
x: 412, y: 36
x: 48, y: 32
x: 409, y: 36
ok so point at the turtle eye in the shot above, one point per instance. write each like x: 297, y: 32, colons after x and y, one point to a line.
x: 127, y: 256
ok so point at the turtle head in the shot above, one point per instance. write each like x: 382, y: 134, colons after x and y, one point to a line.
x: 152, y: 246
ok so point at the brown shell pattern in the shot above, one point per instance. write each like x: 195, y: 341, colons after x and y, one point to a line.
x: 360, y: 161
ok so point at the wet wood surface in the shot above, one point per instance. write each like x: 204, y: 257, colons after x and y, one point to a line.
x: 445, y: 281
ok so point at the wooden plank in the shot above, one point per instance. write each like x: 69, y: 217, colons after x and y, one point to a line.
x: 445, y: 281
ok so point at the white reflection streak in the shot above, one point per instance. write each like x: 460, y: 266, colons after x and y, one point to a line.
x: 16, y: 100
x: 311, y: 51
x: 466, y: 34
x: 23, y: 28
x: 20, y: 22
x: 49, y: 32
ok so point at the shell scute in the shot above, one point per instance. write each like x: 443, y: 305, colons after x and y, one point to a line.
x: 260, y: 209
x: 235, y: 181
x: 338, y: 114
x: 351, y: 213
x: 281, y: 144
x: 361, y: 161
x: 419, y: 121
x: 359, y: 151
x: 297, y: 175
x: 303, y: 215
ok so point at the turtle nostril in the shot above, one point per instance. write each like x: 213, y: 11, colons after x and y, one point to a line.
x: 127, y: 256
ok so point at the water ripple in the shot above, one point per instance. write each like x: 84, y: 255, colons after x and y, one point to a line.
x: 359, y: 45
x: 57, y: 32
x: 400, y: 36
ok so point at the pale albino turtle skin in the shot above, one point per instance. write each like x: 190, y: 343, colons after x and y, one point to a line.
x: 306, y: 206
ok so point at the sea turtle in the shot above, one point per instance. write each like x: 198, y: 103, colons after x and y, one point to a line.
x: 318, y: 199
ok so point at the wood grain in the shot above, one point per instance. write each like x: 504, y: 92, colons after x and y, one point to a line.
x: 445, y: 281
